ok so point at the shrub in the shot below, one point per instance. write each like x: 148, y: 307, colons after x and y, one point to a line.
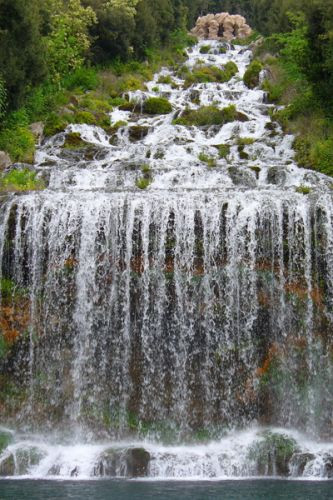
x: 82, y: 78
x: 85, y: 117
x: 157, y: 106
x: 204, y: 49
x: 143, y: 182
x: 224, y: 150
x: 251, y: 76
x: 19, y: 143
x: 20, y: 180
x: 92, y: 103
x: 56, y: 124
x: 207, y: 115
x: 165, y: 79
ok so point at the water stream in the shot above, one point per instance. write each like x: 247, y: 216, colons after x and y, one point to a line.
x: 187, y: 318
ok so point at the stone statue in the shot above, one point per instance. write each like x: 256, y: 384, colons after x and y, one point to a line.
x: 221, y: 26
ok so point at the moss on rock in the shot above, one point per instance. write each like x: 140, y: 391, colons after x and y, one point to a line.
x: 206, y: 116
x: 251, y: 76
x: 157, y: 106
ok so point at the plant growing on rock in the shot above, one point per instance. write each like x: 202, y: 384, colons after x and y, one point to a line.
x: 20, y: 180
x: 206, y: 116
x: 157, y: 106
x: 224, y: 150
x: 251, y: 76
x: 209, y: 160
x: 210, y: 74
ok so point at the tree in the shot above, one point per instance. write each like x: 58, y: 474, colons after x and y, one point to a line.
x: 22, y: 54
x: 68, y: 42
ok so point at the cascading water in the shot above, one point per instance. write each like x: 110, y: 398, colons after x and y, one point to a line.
x: 183, y: 313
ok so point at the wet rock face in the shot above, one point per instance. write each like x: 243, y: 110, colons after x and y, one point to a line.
x: 123, y: 463
x: 223, y: 25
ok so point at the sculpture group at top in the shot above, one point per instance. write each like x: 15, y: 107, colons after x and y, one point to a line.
x: 221, y: 26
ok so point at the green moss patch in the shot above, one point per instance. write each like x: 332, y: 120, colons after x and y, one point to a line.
x: 207, y: 115
x: 157, y: 106
x: 208, y: 74
x: 73, y: 141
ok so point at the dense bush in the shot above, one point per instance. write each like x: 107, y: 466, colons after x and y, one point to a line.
x: 251, y: 76
x: 157, y: 106
x: 20, y: 180
x: 207, y: 115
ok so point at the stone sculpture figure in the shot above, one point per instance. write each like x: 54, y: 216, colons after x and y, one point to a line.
x: 221, y: 26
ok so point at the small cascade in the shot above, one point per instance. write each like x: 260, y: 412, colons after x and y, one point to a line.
x: 184, y: 313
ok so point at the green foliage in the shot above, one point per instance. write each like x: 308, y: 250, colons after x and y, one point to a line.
x: 68, y: 42
x: 251, y: 76
x: 19, y: 142
x: 303, y: 190
x: 209, y: 160
x: 55, y: 124
x: 273, y: 453
x: 82, y: 78
x: 20, y: 180
x: 3, y: 98
x: 204, y: 49
x: 143, y: 182
x: 5, y: 437
x: 157, y: 106
x: 224, y: 150
x: 22, y: 53
x: 207, y: 115
x: 7, y: 287
x: 206, y: 74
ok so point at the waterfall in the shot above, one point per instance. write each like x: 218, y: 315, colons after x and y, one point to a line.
x: 199, y: 307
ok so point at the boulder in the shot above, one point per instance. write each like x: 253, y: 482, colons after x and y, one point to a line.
x: 37, y: 130
x: 222, y: 25
x: 5, y: 160
x: 133, y: 462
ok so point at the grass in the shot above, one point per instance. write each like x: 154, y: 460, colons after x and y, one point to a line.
x: 206, y: 116
x: 143, y: 182
x: 20, y: 180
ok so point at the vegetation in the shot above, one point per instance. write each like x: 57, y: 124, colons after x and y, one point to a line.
x: 206, y: 116
x: 204, y: 49
x: 143, y: 182
x: 251, y: 76
x: 273, y: 453
x: 20, y: 180
x: 224, y: 150
x: 207, y: 74
x: 157, y: 106
x: 209, y: 160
